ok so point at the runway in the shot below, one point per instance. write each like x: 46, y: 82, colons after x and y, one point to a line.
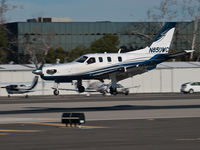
x: 138, y: 121
x: 97, y: 107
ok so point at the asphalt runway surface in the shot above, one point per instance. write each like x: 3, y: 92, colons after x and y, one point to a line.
x: 138, y: 121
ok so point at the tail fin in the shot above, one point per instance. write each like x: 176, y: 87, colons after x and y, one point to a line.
x: 34, y: 83
x: 162, y: 42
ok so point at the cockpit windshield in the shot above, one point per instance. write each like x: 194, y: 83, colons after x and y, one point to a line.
x: 82, y: 59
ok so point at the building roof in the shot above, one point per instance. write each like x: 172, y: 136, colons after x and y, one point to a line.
x: 16, y: 67
x: 167, y: 65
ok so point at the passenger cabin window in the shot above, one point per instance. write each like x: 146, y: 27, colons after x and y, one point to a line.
x: 91, y: 60
x: 100, y: 59
x: 109, y: 59
x: 82, y: 59
x: 120, y: 59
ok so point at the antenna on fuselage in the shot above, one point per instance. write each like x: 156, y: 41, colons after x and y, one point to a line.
x: 119, y: 51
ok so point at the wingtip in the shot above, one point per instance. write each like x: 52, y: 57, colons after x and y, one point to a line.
x: 189, y: 51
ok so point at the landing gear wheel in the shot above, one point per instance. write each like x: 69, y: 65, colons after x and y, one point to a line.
x: 56, y: 92
x: 126, y: 93
x: 81, y: 89
x: 113, y: 91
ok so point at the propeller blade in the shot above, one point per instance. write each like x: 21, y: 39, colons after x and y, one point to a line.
x: 38, y: 70
x: 41, y: 66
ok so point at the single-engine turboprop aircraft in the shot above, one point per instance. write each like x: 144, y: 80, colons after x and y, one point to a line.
x: 113, y: 66
x: 21, y: 88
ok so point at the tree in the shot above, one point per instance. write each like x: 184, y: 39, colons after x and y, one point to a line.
x: 76, y: 52
x: 4, y: 8
x: 166, y: 11
x: 192, y: 10
x: 182, y: 10
x: 108, y: 43
x: 60, y: 54
x: 36, y: 45
x: 54, y: 54
x: 3, y: 46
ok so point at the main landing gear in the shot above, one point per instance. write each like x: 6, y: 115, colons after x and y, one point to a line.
x: 79, y: 87
x: 113, y: 91
x: 113, y: 87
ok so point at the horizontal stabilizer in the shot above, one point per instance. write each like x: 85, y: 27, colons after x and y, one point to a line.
x: 180, y: 53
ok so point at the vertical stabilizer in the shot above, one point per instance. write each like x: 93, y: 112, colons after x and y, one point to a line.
x: 162, y: 42
x: 34, y: 83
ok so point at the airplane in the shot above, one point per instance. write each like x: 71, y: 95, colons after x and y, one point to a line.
x: 104, y: 88
x: 113, y: 66
x: 21, y: 88
x: 92, y: 87
x: 101, y: 88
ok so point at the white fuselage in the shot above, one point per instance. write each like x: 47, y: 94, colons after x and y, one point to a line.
x: 102, y: 63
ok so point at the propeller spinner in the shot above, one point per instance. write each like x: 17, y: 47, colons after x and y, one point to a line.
x: 38, y: 70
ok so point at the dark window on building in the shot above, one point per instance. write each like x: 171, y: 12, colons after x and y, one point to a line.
x: 109, y: 59
x: 47, y: 20
x: 100, y: 59
x: 120, y: 59
x: 91, y: 60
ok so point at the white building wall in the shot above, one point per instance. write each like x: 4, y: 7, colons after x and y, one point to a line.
x: 162, y: 80
x: 156, y: 81
x: 185, y: 75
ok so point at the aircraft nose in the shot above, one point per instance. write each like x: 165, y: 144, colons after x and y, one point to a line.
x: 37, y: 72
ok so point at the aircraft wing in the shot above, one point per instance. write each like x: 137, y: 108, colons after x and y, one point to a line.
x: 76, y: 90
x: 131, y: 87
x: 25, y: 90
x: 3, y: 87
x: 62, y: 89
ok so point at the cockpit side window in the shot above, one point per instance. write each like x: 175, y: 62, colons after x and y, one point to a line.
x: 82, y: 59
x: 91, y: 60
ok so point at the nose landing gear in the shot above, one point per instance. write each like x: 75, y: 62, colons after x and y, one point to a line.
x: 56, y: 92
